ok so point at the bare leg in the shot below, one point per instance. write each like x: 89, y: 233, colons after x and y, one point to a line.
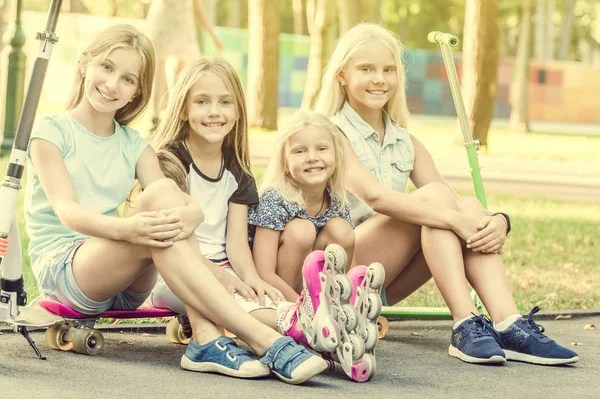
x: 337, y: 231
x: 295, y: 243
x: 182, y: 270
x: 409, y: 280
x: 486, y: 272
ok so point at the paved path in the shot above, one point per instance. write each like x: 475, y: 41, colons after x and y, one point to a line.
x: 412, y: 363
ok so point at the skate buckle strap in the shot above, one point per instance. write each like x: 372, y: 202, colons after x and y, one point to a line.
x: 283, y: 351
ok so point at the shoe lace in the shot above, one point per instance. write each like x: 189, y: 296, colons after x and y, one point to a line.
x: 482, y: 326
x: 537, y: 328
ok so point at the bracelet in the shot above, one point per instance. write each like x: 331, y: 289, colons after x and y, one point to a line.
x: 507, y: 219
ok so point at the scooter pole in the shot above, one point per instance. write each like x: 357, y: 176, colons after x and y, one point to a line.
x: 12, y: 292
x: 447, y: 40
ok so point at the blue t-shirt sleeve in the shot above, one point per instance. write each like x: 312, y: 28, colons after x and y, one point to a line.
x: 47, y: 129
x: 138, y: 144
x: 270, y: 212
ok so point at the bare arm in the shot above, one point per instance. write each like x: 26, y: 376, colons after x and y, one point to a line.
x: 391, y: 202
x: 56, y: 183
x: 266, y: 246
x: 202, y: 18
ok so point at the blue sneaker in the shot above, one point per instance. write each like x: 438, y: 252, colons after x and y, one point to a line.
x: 223, y: 356
x: 292, y: 362
x: 524, y: 341
x: 474, y: 341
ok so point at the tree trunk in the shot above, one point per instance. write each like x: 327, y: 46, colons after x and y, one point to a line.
x: 234, y: 16
x: 77, y: 6
x: 263, y: 63
x: 550, y: 30
x: 320, y: 17
x: 349, y: 12
x: 371, y: 10
x: 211, y: 11
x: 298, y: 13
x: 596, y: 36
x: 480, y: 64
x: 567, y: 30
x: 519, y: 93
x: 540, y: 30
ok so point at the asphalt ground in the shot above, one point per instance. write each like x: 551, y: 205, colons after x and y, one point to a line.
x: 139, y: 362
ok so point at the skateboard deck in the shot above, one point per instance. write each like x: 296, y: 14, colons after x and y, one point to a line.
x: 58, y: 309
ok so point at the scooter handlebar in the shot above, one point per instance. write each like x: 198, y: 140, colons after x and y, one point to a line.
x: 444, y: 38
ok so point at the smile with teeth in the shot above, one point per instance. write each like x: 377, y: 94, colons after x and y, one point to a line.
x: 314, y: 169
x: 377, y: 92
x: 214, y: 124
x: 104, y: 96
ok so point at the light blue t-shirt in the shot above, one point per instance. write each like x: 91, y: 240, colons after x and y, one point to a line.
x: 391, y: 162
x: 102, y: 170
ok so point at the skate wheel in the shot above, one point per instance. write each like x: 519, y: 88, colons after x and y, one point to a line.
x: 374, y: 306
x: 55, y: 337
x: 175, y: 333
x: 351, y: 316
x: 336, y: 257
x: 371, y: 337
x: 370, y: 359
x: 383, y: 325
x: 346, y: 287
x: 375, y: 275
x: 86, y: 341
x: 358, y: 346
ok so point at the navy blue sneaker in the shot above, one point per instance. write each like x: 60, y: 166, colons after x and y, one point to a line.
x: 474, y: 341
x: 524, y: 341
x: 292, y: 362
x: 223, y: 356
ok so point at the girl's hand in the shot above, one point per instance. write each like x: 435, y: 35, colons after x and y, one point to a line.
x: 466, y: 227
x: 261, y: 288
x: 491, y: 236
x: 151, y: 229
x: 233, y: 284
x: 189, y: 224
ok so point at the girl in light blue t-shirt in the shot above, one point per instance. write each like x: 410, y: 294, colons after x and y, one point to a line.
x: 433, y: 231
x: 83, y: 166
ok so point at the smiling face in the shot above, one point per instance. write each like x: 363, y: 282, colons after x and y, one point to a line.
x: 112, y: 81
x: 370, y: 78
x: 210, y: 109
x: 310, y: 157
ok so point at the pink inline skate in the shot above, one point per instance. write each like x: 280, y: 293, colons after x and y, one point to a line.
x: 318, y: 317
x: 356, y: 352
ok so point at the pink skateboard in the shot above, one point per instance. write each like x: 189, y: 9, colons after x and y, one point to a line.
x: 76, y: 331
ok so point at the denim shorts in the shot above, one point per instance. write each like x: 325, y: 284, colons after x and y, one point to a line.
x: 57, y: 283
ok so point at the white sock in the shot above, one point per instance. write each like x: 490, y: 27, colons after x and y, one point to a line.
x: 504, y: 324
x: 458, y: 323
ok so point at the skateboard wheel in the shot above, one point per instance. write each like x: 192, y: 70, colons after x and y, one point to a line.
x: 358, y: 346
x: 370, y: 359
x: 336, y: 256
x: 175, y: 333
x: 374, y: 306
x: 55, y: 337
x: 351, y: 316
x: 383, y: 325
x: 345, y: 285
x: 86, y: 341
x: 371, y: 337
x: 375, y: 275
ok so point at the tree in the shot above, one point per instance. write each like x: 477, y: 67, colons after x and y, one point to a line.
x: 549, y: 47
x: 353, y: 12
x: 540, y: 30
x: 567, y: 30
x: 298, y: 10
x: 519, y: 91
x: 480, y: 64
x: 263, y: 63
x: 320, y: 17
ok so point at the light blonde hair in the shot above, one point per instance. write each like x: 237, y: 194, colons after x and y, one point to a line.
x: 332, y: 95
x: 110, y: 39
x: 275, y: 175
x: 174, y: 129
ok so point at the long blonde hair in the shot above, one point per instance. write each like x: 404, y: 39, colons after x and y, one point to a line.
x: 174, y: 129
x: 110, y: 39
x: 332, y: 95
x: 275, y: 175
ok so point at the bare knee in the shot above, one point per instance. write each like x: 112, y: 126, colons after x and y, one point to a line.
x: 160, y: 194
x: 438, y: 194
x: 301, y: 232
x: 339, y: 231
x: 470, y: 206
